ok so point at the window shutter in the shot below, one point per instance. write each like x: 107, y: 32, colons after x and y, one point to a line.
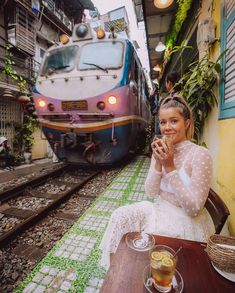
x: 230, y: 5
x: 229, y: 86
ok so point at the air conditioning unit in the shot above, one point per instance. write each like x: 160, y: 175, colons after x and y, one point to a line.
x: 58, y: 14
x: 67, y: 22
x: 45, y: 3
x: 49, y: 4
x: 12, y: 36
x: 70, y: 25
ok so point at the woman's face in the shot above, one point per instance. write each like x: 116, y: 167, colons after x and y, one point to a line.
x: 173, y: 124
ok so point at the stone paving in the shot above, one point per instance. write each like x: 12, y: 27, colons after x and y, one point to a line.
x: 73, y: 264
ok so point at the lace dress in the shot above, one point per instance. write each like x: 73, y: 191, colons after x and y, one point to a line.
x: 179, y: 207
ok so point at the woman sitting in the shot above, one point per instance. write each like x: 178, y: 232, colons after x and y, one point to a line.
x: 5, y: 154
x: 179, y: 177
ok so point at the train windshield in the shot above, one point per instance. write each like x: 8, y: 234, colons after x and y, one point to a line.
x: 103, y: 56
x: 60, y: 60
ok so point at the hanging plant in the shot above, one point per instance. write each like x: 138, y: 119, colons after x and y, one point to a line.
x: 180, y: 16
x: 8, y: 70
x: 197, y: 88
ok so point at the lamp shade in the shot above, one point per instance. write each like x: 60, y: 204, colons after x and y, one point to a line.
x: 157, y: 68
x: 7, y: 93
x: 162, y: 3
x: 160, y: 47
x: 155, y: 81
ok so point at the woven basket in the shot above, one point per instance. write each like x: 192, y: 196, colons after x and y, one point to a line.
x: 221, y: 251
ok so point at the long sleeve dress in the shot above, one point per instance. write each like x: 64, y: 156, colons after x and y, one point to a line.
x: 179, y: 207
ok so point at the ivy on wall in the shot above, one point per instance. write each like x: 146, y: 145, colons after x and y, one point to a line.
x: 180, y: 16
x: 23, y: 139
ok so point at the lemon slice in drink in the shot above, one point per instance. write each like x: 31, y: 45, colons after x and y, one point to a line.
x: 167, y: 262
x: 157, y: 255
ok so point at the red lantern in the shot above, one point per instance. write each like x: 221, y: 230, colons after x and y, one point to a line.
x: 24, y: 99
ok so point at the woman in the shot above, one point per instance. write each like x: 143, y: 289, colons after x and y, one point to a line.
x: 5, y: 154
x: 171, y: 84
x: 179, y: 177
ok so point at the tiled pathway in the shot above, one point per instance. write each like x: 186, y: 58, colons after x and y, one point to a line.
x: 73, y: 264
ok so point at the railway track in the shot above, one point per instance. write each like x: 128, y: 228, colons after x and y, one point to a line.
x: 32, y: 200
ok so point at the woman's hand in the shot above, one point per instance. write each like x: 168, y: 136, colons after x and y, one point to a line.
x: 158, y: 165
x: 163, y: 152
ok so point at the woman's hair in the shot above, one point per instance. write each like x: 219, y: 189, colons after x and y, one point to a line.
x: 180, y: 103
x: 174, y: 77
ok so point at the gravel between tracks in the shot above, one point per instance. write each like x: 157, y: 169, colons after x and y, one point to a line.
x: 45, y: 234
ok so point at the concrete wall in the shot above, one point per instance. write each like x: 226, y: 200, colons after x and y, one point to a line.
x: 219, y: 136
x: 39, y: 149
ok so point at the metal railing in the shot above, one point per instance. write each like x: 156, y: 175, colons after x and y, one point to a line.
x: 24, y: 66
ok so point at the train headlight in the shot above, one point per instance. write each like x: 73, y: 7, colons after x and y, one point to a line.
x: 64, y: 39
x: 51, y: 107
x: 100, y: 33
x: 41, y: 103
x: 101, y: 105
x: 112, y: 100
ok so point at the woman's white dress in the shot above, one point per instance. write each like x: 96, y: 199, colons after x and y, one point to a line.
x: 178, y: 210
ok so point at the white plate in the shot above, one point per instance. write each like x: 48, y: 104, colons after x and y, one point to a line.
x: 228, y: 276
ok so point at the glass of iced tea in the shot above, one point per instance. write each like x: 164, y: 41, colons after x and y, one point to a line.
x: 163, y: 266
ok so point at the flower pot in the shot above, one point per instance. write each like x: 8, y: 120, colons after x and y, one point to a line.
x: 27, y: 157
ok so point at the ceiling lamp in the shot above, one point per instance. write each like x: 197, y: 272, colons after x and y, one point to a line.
x: 157, y: 67
x: 160, y: 47
x: 155, y: 81
x: 163, y: 3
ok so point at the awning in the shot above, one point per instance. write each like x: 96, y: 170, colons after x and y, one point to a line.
x: 87, y: 4
x: 79, y: 4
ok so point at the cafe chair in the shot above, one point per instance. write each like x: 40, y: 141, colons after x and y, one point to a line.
x: 217, y: 210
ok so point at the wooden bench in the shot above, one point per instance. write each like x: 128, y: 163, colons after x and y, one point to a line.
x: 217, y: 210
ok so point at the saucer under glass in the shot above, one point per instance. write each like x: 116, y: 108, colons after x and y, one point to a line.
x: 177, y: 281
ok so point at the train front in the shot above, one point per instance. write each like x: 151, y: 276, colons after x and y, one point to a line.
x: 81, y: 99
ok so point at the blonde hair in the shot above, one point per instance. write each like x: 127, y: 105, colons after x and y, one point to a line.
x: 185, y: 111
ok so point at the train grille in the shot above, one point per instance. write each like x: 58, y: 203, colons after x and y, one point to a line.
x: 74, y: 105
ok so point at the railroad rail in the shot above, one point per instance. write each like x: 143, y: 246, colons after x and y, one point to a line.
x: 51, y: 189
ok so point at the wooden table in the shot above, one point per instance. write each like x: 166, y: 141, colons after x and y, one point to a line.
x: 125, y: 274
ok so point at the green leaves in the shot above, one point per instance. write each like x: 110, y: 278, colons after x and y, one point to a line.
x: 198, y: 85
x: 180, y: 16
x: 10, y: 71
x: 23, y: 132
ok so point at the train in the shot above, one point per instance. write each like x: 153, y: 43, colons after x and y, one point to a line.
x: 91, y: 97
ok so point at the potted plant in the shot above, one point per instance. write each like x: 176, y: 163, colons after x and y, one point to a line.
x: 23, y: 140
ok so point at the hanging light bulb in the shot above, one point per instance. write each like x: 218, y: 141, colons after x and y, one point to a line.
x: 157, y: 68
x: 162, y: 3
x: 155, y: 81
x: 160, y: 47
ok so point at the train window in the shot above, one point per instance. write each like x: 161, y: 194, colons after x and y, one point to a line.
x: 102, y: 56
x: 60, y: 60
